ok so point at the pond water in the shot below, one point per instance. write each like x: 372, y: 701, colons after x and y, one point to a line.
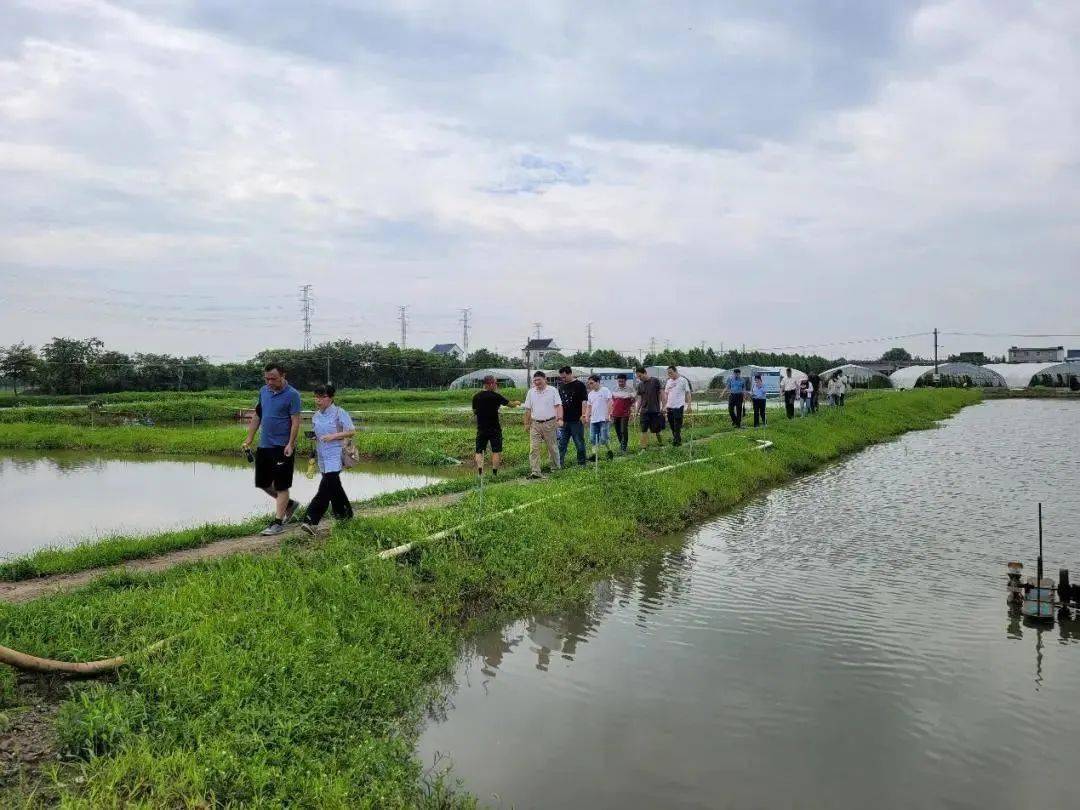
x: 841, y: 642
x: 64, y: 498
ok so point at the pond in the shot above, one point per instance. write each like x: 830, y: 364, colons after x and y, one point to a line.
x: 63, y: 498
x: 841, y: 642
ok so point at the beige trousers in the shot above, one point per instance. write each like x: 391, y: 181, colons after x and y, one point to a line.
x: 541, y: 433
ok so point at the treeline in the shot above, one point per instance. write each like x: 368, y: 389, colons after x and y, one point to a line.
x: 86, y: 366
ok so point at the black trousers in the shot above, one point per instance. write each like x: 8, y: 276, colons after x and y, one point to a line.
x: 622, y: 430
x: 759, y: 411
x: 789, y: 403
x: 330, y: 493
x: 813, y: 401
x: 736, y: 407
x: 675, y: 419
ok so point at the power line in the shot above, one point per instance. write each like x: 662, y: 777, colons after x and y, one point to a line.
x: 305, y: 308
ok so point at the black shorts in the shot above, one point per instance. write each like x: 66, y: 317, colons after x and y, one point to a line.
x: 652, y: 422
x: 273, y: 468
x: 492, y: 436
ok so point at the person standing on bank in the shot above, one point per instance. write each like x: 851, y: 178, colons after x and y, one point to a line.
x: 648, y: 392
x: 573, y: 394
x: 486, y: 406
x: 597, y: 413
x: 332, y: 426
x: 805, y: 392
x: 676, y: 402
x: 815, y: 392
x: 622, y: 404
x: 841, y: 387
x: 543, y: 416
x: 277, y: 421
x: 789, y: 388
x: 736, y: 402
x: 757, y: 399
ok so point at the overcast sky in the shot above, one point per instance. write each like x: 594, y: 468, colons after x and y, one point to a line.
x: 768, y: 173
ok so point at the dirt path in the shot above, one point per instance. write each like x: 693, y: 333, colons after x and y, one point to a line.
x: 29, y: 589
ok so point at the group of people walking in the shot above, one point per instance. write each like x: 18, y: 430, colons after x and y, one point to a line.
x: 803, y: 390
x: 557, y: 415
x: 277, y: 421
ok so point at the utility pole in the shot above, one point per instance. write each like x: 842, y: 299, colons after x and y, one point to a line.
x: 465, y: 313
x: 404, y: 325
x: 935, y: 357
x: 328, y: 368
x: 528, y: 364
x: 305, y: 308
x: 588, y: 337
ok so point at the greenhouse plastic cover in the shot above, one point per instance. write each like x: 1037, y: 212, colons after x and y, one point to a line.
x: 1019, y: 375
x: 980, y: 375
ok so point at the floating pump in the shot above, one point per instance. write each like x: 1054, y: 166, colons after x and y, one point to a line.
x: 1039, y: 597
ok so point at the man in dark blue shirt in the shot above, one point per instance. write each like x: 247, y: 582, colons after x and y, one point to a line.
x: 736, y: 388
x: 278, y: 415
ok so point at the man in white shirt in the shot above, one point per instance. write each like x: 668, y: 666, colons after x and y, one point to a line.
x: 598, y: 415
x: 841, y: 387
x: 789, y: 388
x: 677, y: 402
x: 543, y: 417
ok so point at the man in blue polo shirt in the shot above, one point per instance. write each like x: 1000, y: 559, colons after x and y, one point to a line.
x: 278, y: 415
x: 736, y: 389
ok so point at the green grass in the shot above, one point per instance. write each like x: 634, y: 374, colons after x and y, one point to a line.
x: 112, y: 550
x: 299, y: 678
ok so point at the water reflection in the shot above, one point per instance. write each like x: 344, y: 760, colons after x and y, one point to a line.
x: 65, y: 498
x: 836, y: 639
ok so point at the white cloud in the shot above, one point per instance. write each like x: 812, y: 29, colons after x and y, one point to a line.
x: 157, y: 155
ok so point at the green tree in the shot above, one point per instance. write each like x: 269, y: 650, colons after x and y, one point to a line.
x: 896, y: 353
x: 482, y: 358
x: 18, y: 362
x: 68, y: 363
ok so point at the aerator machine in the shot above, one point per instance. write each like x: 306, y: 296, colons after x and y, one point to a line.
x: 1038, y: 597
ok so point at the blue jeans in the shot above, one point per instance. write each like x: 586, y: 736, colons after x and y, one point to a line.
x: 599, y: 433
x: 575, y: 431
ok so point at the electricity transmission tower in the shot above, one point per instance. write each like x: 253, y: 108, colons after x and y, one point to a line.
x: 537, y: 324
x: 465, y: 313
x: 588, y: 336
x: 306, y: 302
x: 404, y: 324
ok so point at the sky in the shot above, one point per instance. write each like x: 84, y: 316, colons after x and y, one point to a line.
x: 767, y: 174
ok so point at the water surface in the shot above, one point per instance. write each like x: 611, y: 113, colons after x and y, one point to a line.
x: 66, y: 497
x: 842, y: 642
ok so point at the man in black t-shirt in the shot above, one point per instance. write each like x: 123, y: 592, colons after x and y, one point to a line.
x: 486, y: 406
x: 574, y: 395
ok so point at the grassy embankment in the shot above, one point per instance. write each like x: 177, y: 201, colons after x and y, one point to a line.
x: 112, y: 550
x: 426, y: 440
x: 299, y: 678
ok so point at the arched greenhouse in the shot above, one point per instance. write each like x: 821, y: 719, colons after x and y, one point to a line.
x: 953, y: 375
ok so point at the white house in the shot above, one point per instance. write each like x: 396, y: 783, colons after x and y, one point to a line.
x: 1040, y: 354
x: 538, y: 350
x: 449, y: 350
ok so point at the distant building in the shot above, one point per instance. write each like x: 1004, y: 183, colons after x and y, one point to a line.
x: 538, y: 350
x: 1048, y: 354
x: 449, y: 350
x: 1073, y: 356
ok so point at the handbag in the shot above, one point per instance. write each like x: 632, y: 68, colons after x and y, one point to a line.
x: 350, y: 456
